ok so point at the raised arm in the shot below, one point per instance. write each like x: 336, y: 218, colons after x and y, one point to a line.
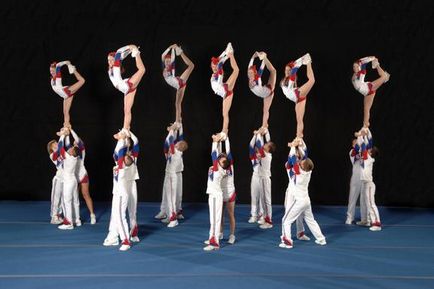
x: 61, y: 146
x: 120, y: 152
x: 123, y: 52
x: 302, y: 150
x: 169, y: 144
x: 180, y: 136
x: 214, y: 155
x: 267, y: 135
x: 80, y: 144
x: 366, y: 60
x: 135, y: 150
x: 252, y: 152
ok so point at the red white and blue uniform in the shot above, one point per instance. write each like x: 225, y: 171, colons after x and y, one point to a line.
x: 169, y: 73
x: 255, y: 150
x: 123, y: 85
x: 228, y: 184
x: 81, y: 172
x: 56, y: 82
x: 256, y: 86
x: 288, y: 85
x: 133, y: 176
x: 218, y: 86
x: 358, y: 79
x: 264, y: 172
x: 56, y: 185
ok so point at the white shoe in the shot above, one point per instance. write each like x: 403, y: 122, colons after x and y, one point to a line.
x: 306, y: 59
x: 221, y: 236
x: 135, y: 239
x: 387, y: 77
x: 160, y: 215
x: 178, y: 51
x: 375, y: 228
x: 206, y: 242
x: 92, y: 219
x: 66, y: 227
x: 262, y: 55
x: 135, y: 52
x: 180, y: 217
x: 303, y: 238
x: 252, y: 220
x: 78, y: 223
x: 71, y: 68
x: 211, y: 248
x: 321, y: 242
x: 261, y: 220
x: 266, y: 226
x: 124, y: 247
x: 375, y: 63
x: 363, y: 223
x: 172, y: 224
x: 231, y: 239
x: 229, y: 49
x: 56, y: 220
x: 285, y: 246
x: 348, y: 222
x: 110, y: 242
x: 165, y: 220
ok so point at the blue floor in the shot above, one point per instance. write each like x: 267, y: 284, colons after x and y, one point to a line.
x: 35, y: 254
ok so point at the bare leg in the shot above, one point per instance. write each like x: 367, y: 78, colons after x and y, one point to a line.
x: 235, y: 71
x: 227, y: 102
x: 84, y: 188
x: 367, y: 104
x: 135, y: 79
x: 272, y: 78
x: 299, y: 114
x: 379, y: 81
x: 178, y: 104
x: 67, y: 102
x: 128, y: 104
x: 266, y: 110
x: 305, y: 88
x: 76, y: 86
x: 190, y: 66
x: 231, y: 212
x: 222, y: 223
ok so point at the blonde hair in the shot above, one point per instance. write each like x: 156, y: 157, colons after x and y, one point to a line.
x: 49, y: 145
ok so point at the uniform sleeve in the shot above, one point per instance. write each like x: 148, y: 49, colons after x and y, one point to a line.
x: 169, y: 144
x: 260, y: 145
x: 180, y: 136
x: 252, y: 152
x: 120, y: 55
x: 136, y: 149
x: 292, y: 163
x: 214, y: 156
x: 120, y: 153
x: 267, y: 136
x: 61, y: 146
x: 228, y: 150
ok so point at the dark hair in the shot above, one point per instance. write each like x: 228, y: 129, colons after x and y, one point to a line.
x: 184, y: 144
x: 375, y: 152
x: 75, y: 151
x: 225, y: 163
x: 272, y: 146
x: 308, y: 165
x: 128, y: 160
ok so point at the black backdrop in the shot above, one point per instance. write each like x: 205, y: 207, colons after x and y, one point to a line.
x: 35, y: 33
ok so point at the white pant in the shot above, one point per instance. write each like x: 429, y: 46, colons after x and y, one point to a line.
x: 289, y: 200
x: 118, y: 221
x: 215, y: 203
x: 178, y: 192
x: 368, y: 190
x: 169, y: 189
x: 71, y: 203
x: 265, y: 198
x: 300, y: 207
x: 257, y: 208
x: 56, y: 196
x: 355, y: 192
x: 132, y: 208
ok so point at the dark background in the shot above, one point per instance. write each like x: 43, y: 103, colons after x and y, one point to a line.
x: 399, y: 33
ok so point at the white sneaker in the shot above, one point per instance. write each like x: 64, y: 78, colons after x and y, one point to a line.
x: 348, y: 222
x: 206, y: 242
x: 387, y: 76
x: 229, y: 48
x: 285, y: 246
x: 56, y: 220
x: 180, y: 217
x: 221, y: 236
x: 231, y: 239
x: 321, y: 242
x: 66, y: 227
x: 110, y: 242
x: 71, y: 68
x: 363, y: 223
x: 375, y: 228
x: 262, y: 55
x: 375, y: 63
x: 78, y: 223
x: 261, y: 220
x: 160, y: 215
x: 172, y: 224
x: 178, y: 50
x: 303, y: 238
x: 124, y: 247
x: 92, y: 219
x: 135, y: 239
x: 134, y: 53
x: 266, y: 226
x: 252, y: 220
x: 211, y: 248
x: 307, y: 59
x: 165, y: 220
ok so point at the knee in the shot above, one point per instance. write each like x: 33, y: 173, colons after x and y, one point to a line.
x: 191, y: 66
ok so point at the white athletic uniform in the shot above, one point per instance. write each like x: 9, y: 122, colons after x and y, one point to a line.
x: 56, y: 185
x: 132, y: 177
x: 215, y: 197
x: 264, y: 173
x: 81, y: 171
x: 56, y: 82
x: 288, y: 85
x: 123, y: 85
x: 368, y: 189
x: 227, y: 184
x: 356, y: 185
x: 358, y: 79
x: 255, y: 147
x: 301, y: 202
x: 218, y: 86
x: 169, y: 74
x: 256, y: 86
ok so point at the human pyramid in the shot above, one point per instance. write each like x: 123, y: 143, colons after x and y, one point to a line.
x: 68, y: 154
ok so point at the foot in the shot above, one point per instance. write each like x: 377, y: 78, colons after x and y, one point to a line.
x: 252, y: 219
x: 165, y: 220
x: 172, y: 224
x: 111, y: 242
x: 302, y: 237
x: 160, y: 215
x: 306, y: 59
x: 231, y: 239
x: 261, y: 221
x: 56, y: 220
x: 285, y: 243
x: 321, y: 242
x: 229, y: 49
x: 71, y: 68
x: 178, y: 50
x: 78, y: 223
x: 220, y: 238
x: 348, y: 221
x: 266, y: 226
x: 375, y: 228
x: 125, y: 247
x: 134, y: 239
x: 66, y: 227
x: 363, y: 223
x: 211, y: 248
x: 387, y: 77
x: 180, y: 216
x: 92, y: 219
